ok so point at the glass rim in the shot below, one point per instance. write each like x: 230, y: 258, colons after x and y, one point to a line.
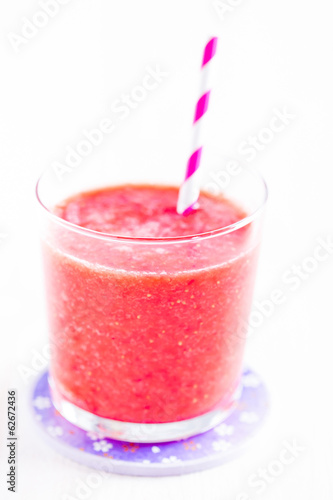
x: 166, y: 239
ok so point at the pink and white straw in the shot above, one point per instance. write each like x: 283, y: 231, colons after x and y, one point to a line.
x: 189, y: 191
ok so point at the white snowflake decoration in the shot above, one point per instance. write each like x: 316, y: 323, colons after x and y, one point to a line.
x: 248, y: 417
x: 42, y: 403
x: 55, y: 431
x: 221, y: 445
x: 102, y: 446
x: 94, y: 436
x: 250, y: 380
x: 224, y: 430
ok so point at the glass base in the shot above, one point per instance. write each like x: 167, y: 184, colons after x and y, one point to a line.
x: 141, y: 433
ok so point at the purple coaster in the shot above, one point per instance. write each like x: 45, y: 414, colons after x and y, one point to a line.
x: 200, y: 452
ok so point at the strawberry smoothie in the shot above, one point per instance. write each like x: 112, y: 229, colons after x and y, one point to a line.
x: 145, y: 311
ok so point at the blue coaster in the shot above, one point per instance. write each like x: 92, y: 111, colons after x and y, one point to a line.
x: 200, y: 452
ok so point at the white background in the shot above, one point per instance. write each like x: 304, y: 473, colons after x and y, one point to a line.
x: 64, y: 79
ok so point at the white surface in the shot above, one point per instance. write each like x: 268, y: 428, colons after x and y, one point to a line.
x: 272, y: 55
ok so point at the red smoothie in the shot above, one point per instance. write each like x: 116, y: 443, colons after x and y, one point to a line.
x: 147, y: 330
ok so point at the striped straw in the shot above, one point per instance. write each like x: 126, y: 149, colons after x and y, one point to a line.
x: 189, y: 191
